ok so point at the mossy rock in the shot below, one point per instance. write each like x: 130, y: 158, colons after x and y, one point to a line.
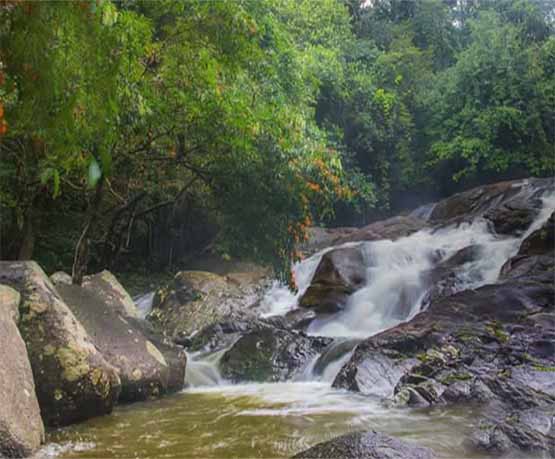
x: 73, y: 380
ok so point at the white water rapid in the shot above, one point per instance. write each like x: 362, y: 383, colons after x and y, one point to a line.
x: 214, y: 418
x: 395, y: 273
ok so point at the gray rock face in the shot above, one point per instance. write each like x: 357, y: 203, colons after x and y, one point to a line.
x: 195, y: 299
x: 391, y: 228
x: 73, y: 380
x: 492, y: 346
x: 105, y: 285
x: 510, y: 206
x: 268, y: 352
x: 370, y: 445
x: 528, y: 432
x: 60, y: 277
x: 21, y: 429
x: 340, y: 272
x: 146, y: 365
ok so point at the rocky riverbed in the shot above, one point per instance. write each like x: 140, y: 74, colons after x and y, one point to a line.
x: 432, y: 332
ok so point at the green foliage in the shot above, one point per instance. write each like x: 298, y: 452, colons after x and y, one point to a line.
x: 258, y: 117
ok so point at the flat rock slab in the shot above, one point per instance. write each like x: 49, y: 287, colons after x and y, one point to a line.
x: 369, y: 445
x: 21, y: 429
x: 147, y: 367
x: 73, y: 380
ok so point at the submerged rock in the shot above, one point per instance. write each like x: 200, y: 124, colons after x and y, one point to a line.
x: 371, y: 445
x: 146, y: 365
x: 21, y: 429
x: 340, y: 273
x: 73, y: 380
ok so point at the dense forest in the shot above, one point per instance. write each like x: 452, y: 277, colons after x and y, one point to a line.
x: 136, y: 133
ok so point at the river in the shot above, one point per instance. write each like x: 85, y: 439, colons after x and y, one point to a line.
x: 212, y: 418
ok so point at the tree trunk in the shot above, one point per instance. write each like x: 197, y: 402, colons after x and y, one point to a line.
x: 81, y: 257
x: 27, y: 245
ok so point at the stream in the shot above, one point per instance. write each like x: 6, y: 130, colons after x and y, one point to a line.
x: 212, y: 418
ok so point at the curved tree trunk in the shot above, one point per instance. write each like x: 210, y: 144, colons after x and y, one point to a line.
x: 81, y: 257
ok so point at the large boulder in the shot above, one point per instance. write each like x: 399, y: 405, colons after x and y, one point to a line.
x: 492, y: 346
x: 195, y: 299
x: 269, y: 352
x: 369, y: 445
x: 392, y: 228
x: 21, y: 429
x: 536, y: 255
x: 511, y: 206
x: 147, y: 366
x: 444, y: 279
x: 340, y: 273
x: 541, y: 241
x: 257, y: 350
x: 73, y: 380
x: 529, y: 431
x: 106, y: 286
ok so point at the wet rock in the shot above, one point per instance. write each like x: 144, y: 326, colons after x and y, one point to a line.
x: 335, y: 351
x: 73, y: 380
x: 392, y: 229
x: 371, y: 445
x: 300, y: 318
x: 21, y: 429
x: 536, y: 255
x: 521, y: 432
x: 514, y: 216
x: 471, y: 321
x: 320, y: 238
x: 195, y: 299
x: 541, y: 241
x: 372, y: 373
x: 146, y: 365
x: 269, y: 353
x: 444, y: 278
x: 340, y: 273
x: 511, y: 205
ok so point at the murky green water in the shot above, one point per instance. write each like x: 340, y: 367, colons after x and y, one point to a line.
x: 254, y: 420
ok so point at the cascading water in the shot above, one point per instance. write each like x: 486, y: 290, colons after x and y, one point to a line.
x: 394, y: 291
x: 214, y: 418
x: 144, y: 304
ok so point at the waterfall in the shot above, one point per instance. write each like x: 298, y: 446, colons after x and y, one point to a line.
x: 395, y: 286
x: 394, y: 291
x: 144, y: 304
x: 202, y: 369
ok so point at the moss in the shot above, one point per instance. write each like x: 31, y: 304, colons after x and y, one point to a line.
x: 74, y: 363
x: 543, y: 368
x: 506, y: 373
x: 497, y: 331
x: 454, y: 377
x: 49, y: 349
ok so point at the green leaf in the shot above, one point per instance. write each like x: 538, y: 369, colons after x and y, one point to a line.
x: 94, y: 173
